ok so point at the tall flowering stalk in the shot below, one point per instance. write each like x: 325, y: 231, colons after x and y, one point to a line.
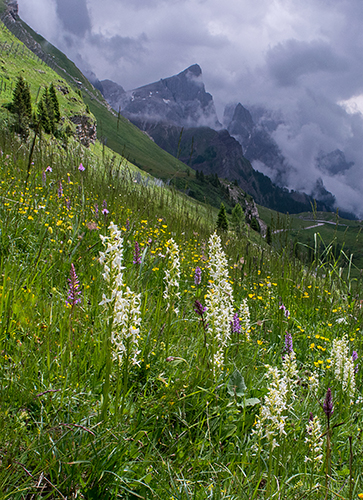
x: 314, y: 440
x: 219, y: 301
x: 126, y: 332
x: 172, y: 276
x: 289, y: 366
x: 270, y: 423
x: 124, y: 316
x: 137, y: 255
x: 197, y: 276
x: 328, y: 409
x: 123, y: 304
x: 343, y: 365
x: 235, y: 324
x: 74, y: 291
x: 105, y: 210
x: 201, y: 310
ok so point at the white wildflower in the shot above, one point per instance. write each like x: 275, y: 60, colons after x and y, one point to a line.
x: 314, y: 382
x: 342, y: 365
x: 314, y: 441
x: 124, y: 305
x: 341, y: 320
x: 270, y: 423
x: 219, y: 300
x: 290, y: 372
x: 126, y: 326
x: 172, y: 275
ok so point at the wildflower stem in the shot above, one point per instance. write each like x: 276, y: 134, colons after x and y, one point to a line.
x: 350, y: 468
x: 270, y: 465
x: 106, y: 383
x: 327, y: 470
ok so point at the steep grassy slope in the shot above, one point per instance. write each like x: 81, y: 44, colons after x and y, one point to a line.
x: 17, y: 60
x: 119, y: 133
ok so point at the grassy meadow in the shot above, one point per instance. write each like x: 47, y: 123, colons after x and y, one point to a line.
x: 126, y: 387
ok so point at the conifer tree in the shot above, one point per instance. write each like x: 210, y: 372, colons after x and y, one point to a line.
x: 48, y: 110
x: 222, y: 222
x: 53, y: 97
x: 21, y: 107
x: 255, y: 225
x: 268, y: 235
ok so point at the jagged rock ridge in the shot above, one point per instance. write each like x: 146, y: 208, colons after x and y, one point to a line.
x: 180, y: 100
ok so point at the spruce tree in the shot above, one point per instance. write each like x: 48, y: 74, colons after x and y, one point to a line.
x: 255, y: 225
x: 21, y: 107
x: 48, y: 110
x: 222, y: 222
x: 53, y: 97
x: 268, y: 235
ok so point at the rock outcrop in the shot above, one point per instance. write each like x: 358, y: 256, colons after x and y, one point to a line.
x: 86, y: 129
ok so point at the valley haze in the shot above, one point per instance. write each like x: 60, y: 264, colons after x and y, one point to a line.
x: 300, y: 62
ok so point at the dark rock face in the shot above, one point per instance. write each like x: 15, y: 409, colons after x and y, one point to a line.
x: 13, y: 8
x: 253, y: 131
x: 239, y: 122
x: 333, y: 163
x: 256, y: 140
x: 321, y: 194
x: 180, y: 100
x: 112, y: 92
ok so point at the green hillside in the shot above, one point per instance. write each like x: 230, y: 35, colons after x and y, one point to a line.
x: 319, y: 235
x: 119, y: 134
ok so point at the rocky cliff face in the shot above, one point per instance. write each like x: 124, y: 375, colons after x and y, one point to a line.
x: 113, y: 93
x: 256, y: 140
x: 180, y: 100
x: 254, y: 132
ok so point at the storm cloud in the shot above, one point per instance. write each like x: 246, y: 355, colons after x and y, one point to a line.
x: 302, y: 60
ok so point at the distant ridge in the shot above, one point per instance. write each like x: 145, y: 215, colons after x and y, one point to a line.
x: 180, y: 116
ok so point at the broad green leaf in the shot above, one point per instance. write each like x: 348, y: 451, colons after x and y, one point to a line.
x: 249, y: 402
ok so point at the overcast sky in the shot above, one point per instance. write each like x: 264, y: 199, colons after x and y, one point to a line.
x: 304, y: 58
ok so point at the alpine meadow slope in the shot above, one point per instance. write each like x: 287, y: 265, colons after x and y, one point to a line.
x: 144, y: 354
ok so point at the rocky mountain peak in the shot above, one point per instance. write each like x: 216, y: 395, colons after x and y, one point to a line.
x: 179, y: 100
x: 194, y: 69
x: 239, y: 122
